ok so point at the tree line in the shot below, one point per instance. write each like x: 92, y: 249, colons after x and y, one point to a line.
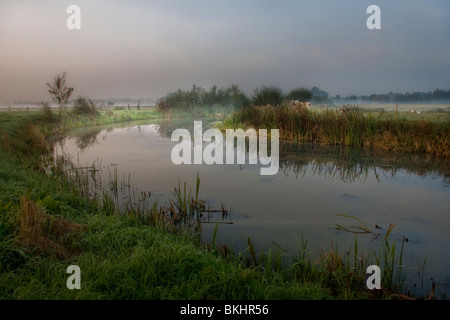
x: 231, y: 97
x: 437, y: 95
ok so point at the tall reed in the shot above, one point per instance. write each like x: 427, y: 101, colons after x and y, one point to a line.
x: 348, y: 127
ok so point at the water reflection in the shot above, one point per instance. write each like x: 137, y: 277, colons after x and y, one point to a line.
x: 352, y: 164
x: 348, y: 164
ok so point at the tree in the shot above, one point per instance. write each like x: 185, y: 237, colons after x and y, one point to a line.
x: 316, y: 92
x: 60, y: 92
x: 268, y: 96
x: 302, y: 94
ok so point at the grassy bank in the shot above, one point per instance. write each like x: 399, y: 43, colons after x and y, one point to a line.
x: 48, y: 222
x: 427, y: 133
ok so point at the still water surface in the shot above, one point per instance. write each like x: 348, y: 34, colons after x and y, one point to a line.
x: 307, y: 198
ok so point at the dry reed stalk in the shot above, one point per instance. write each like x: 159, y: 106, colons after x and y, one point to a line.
x: 46, y: 235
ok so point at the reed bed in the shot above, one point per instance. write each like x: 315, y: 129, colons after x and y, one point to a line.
x: 349, y: 126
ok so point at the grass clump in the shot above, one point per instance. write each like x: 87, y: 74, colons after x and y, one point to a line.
x: 349, y: 126
x: 46, y: 235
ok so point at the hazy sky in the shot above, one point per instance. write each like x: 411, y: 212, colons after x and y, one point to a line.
x: 142, y: 49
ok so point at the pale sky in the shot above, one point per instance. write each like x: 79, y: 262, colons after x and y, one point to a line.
x: 145, y: 49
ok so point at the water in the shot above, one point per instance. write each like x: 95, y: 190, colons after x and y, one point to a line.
x: 316, y: 189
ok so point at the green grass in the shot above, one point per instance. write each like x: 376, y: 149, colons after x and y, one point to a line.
x: 73, y: 121
x: 48, y: 222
